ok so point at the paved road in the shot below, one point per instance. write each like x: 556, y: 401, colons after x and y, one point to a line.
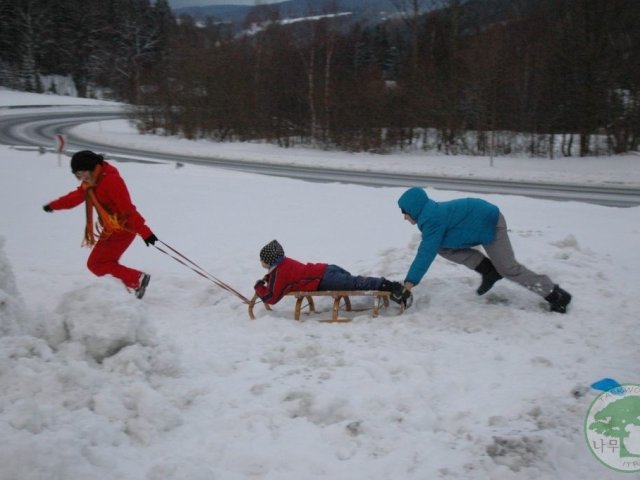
x: 38, y: 128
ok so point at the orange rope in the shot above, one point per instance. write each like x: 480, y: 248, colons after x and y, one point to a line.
x: 187, y: 262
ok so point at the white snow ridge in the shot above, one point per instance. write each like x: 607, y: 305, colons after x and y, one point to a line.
x: 81, y: 385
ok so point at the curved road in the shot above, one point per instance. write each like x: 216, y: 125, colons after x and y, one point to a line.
x: 38, y: 127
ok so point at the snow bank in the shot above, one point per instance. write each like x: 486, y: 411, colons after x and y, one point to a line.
x: 12, y: 308
x: 81, y: 386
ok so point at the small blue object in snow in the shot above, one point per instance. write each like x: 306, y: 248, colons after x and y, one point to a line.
x: 608, y: 385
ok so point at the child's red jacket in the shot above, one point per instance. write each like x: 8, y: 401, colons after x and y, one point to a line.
x: 112, y: 193
x: 289, y: 275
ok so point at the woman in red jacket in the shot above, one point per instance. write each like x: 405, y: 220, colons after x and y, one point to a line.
x: 103, y: 189
x: 288, y: 275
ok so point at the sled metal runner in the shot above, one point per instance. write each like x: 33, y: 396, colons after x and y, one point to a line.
x: 340, y: 298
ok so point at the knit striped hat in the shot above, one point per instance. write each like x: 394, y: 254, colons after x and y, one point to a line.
x: 271, y: 253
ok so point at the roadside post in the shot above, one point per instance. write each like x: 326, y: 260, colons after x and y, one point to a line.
x: 60, y: 141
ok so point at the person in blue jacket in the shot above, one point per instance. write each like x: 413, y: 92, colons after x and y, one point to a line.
x: 453, y: 229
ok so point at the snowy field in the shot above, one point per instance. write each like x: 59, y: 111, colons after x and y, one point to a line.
x: 181, y: 385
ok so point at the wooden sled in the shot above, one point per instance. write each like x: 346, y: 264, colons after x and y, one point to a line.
x: 340, y: 297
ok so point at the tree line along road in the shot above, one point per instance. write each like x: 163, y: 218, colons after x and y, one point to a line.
x: 37, y: 127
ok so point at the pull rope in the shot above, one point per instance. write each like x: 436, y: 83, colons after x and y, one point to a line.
x: 190, y: 264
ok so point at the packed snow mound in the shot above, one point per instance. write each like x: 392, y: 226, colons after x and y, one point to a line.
x: 103, y: 321
x: 88, y: 381
x: 192, y: 468
x: 12, y: 308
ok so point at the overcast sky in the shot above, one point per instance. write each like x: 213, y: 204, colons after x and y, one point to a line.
x: 200, y: 3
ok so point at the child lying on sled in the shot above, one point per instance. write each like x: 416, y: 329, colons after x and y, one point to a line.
x: 288, y: 275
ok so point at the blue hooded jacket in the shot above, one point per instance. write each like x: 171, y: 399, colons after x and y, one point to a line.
x: 462, y: 223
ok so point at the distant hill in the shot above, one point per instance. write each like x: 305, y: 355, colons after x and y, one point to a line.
x: 372, y: 10
x: 474, y: 13
x: 223, y: 13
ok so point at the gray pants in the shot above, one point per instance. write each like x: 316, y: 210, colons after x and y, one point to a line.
x: 501, y: 254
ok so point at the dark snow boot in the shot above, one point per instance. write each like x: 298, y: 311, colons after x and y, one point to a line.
x: 402, y: 295
x: 144, y: 281
x: 489, y: 276
x: 389, y: 286
x: 558, y: 299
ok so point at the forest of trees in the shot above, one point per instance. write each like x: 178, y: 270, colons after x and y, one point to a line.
x: 541, y: 77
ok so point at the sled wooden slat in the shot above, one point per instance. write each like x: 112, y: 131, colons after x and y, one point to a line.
x: 340, y: 298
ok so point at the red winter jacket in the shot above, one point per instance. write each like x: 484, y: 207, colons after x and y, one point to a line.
x: 289, y: 276
x: 112, y: 193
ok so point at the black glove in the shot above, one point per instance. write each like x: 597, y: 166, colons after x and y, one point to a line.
x: 402, y: 296
x: 47, y: 208
x: 259, y: 283
x: 151, y: 240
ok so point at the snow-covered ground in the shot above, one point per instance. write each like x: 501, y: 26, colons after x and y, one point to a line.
x: 95, y: 384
